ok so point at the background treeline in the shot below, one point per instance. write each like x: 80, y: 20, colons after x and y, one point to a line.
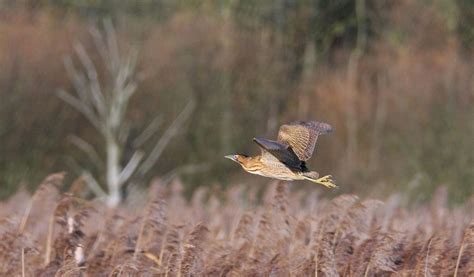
x: 395, y: 79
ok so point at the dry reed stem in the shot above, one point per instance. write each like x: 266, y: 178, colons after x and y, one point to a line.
x: 49, y: 240
x: 291, y: 234
x: 427, y: 256
x: 26, y: 215
x: 468, y: 237
x: 54, y: 179
x: 458, y: 260
x: 23, y: 262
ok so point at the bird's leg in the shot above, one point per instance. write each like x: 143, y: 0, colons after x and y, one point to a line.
x: 326, y: 181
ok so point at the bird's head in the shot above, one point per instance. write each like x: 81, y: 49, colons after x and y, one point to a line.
x: 238, y: 158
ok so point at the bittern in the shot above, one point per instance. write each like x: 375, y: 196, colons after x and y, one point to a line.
x: 285, y: 158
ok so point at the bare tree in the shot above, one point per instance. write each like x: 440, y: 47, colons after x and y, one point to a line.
x: 104, y: 103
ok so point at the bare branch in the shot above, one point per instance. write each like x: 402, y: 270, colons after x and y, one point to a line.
x: 94, y: 185
x: 130, y: 63
x: 149, y: 131
x: 86, y: 61
x: 165, y: 139
x: 95, y: 90
x: 129, y: 90
x: 99, y: 43
x: 81, y: 107
x: 74, y: 165
x: 112, y: 47
x: 123, y: 133
x: 131, y: 167
x: 88, y: 149
x: 78, y: 80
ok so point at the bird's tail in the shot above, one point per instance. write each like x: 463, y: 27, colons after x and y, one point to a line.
x: 313, y: 176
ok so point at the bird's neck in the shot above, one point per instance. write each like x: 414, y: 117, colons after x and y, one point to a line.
x: 251, y: 163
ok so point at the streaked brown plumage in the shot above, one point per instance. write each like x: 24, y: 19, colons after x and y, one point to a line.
x: 285, y: 158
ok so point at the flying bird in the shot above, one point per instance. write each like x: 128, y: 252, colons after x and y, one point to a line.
x: 285, y: 158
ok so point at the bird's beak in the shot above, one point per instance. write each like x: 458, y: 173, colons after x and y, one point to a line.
x: 231, y: 157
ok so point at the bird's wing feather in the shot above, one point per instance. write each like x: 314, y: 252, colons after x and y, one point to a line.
x: 282, y: 152
x: 302, y: 136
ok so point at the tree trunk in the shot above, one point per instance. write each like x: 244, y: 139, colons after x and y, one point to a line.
x: 113, y: 171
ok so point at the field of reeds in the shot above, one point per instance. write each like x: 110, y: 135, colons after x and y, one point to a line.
x: 237, y: 232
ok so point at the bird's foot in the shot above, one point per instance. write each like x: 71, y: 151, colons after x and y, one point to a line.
x: 326, y: 181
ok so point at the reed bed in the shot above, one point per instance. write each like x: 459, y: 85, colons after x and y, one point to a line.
x: 232, y: 233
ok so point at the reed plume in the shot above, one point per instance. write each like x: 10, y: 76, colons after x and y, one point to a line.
x: 232, y: 233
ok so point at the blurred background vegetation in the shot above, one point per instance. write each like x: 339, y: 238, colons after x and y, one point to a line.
x: 394, y: 78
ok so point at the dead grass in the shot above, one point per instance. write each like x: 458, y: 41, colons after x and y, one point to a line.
x: 289, y: 234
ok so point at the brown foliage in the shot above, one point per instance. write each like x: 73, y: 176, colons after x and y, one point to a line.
x: 289, y: 234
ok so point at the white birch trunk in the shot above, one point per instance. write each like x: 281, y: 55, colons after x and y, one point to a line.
x: 113, y: 172
x: 105, y: 105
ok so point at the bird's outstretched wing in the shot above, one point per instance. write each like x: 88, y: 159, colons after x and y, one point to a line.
x: 282, y: 152
x: 302, y: 136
